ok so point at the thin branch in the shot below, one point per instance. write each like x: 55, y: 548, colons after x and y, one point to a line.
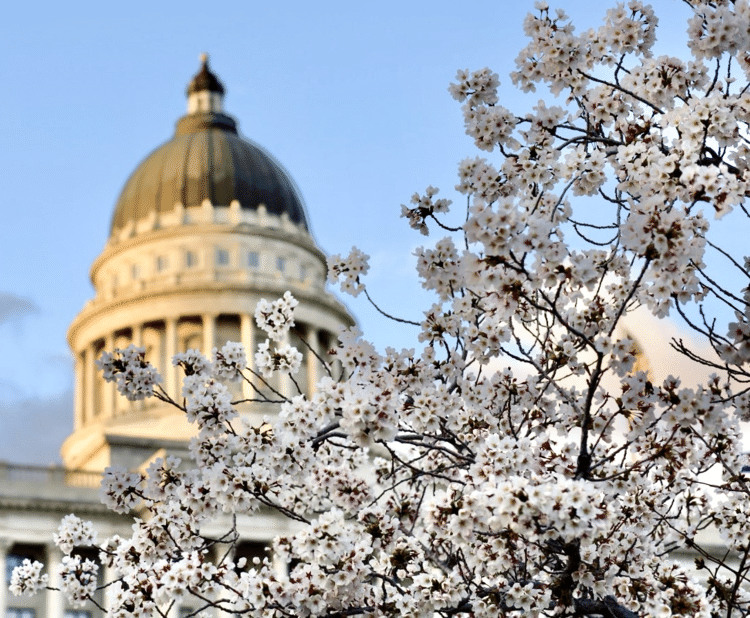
x: 388, y: 315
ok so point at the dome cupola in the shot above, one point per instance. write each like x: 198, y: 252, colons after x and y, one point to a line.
x: 206, y: 161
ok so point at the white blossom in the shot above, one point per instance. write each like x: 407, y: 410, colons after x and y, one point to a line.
x: 28, y: 578
x: 282, y: 358
x: 135, y: 377
x: 79, y: 579
x: 230, y: 361
x: 73, y: 532
x: 277, y: 317
x: 348, y: 270
x: 192, y: 362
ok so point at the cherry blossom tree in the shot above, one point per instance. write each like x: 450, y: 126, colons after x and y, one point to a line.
x: 518, y: 464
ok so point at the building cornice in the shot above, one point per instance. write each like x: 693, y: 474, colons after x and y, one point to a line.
x: 57, y: 506
x: 97, y: 309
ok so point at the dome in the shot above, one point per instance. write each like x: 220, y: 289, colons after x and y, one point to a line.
x: 207, y: 160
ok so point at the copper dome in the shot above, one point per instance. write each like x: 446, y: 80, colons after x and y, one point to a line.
x: 207, y: 160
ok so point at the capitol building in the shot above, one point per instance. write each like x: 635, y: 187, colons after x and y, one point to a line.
x: 207, y: 225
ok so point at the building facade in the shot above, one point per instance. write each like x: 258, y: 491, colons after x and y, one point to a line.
x: 207, y: 225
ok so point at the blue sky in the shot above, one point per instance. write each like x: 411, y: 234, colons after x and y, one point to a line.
x: 351, y: 98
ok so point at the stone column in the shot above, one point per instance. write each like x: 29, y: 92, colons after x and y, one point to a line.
x: 169, y: 370
x: 138, y: 335
x: 246, y: 336
x: 286, y: 387
x: 280, y: 567
x: 55, y: 598
x: 137, y: 342
x: 109, y: 391
x: 89, y: 380
x: 80, y: 404
x: 108, y: 576
x: 314, y: 370
x: 5, y: 545
x: 209, y: 333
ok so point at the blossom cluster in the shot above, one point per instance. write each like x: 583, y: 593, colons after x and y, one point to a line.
x: 28, y: 579
x: 230, y: 361
x: 192, y: 362
x: 78, y: 579
x: 277, y: 317
x: 424, y: 208
x: 74, y: 532
x: 349, y: 270
x: 208, y: 402
x: 282, y: 358
x: 119, y: 490
x: 135, y: 377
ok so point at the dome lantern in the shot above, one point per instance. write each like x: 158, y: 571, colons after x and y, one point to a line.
x: 205, y: 92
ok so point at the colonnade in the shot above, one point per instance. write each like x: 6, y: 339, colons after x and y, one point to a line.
x: 98, y: 400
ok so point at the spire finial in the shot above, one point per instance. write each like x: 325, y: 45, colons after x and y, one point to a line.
x: 205, y: 79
